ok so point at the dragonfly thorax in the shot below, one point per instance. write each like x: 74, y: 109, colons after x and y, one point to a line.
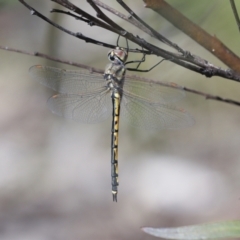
x: 115, y: 71
x: 114, y: 75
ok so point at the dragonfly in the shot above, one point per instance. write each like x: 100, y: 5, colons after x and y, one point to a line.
x: 91, y: 97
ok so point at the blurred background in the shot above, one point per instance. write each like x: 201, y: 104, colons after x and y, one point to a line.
x: 55, y: 173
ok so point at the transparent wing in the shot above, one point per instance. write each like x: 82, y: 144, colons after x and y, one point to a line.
x: 146, y: 115
x: 87, y: 108
x: 67, y: 81
x: 156, y: 92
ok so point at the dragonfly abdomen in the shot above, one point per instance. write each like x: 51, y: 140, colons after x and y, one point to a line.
x: 116, y: 99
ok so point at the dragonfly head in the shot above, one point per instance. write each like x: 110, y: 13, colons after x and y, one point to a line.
x: 117, y: 55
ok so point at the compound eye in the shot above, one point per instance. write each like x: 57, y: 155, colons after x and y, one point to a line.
x: 112, y: 58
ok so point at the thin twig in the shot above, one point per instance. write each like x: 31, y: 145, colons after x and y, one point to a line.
x: 82, y: 13
x: 73, y: 15
x: 212, y: 97
x: 102, y: 16
x: 92, y: 69
x: 77, y: 35
x: 235, y: 12
x: 124, y: 17
x: 45, y: 56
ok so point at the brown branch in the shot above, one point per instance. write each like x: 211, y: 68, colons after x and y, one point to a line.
x: 96, y: 70
x: 211, y: 43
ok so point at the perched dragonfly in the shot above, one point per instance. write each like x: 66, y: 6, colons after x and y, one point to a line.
x: 91, y: 97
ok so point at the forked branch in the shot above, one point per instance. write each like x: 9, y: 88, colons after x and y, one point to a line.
x: 182, y: 57
x: 209, y: 42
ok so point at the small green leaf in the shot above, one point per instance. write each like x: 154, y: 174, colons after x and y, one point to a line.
x: 228, y: 229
